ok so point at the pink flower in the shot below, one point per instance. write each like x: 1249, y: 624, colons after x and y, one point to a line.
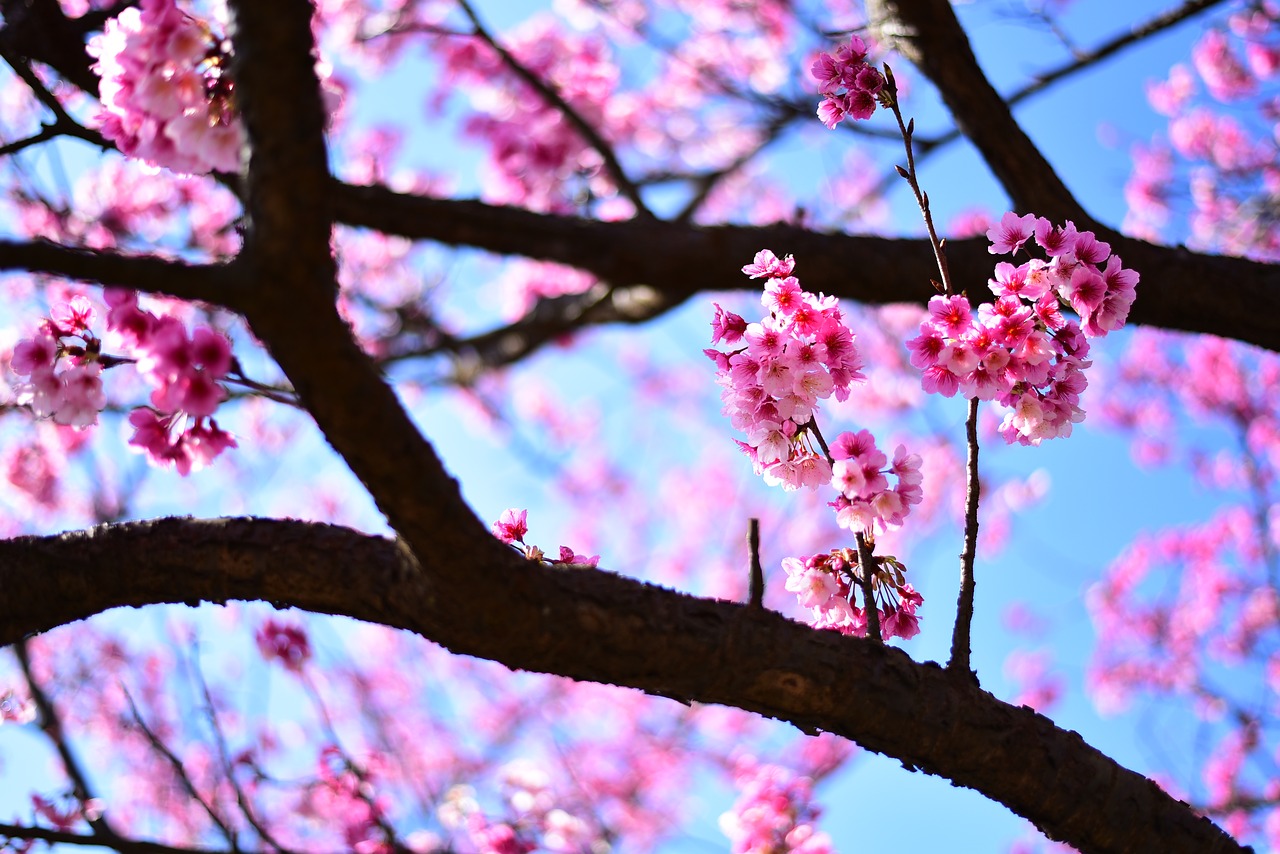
x: 766, y: 264
x: 813, y: 587
x: 82, y: 396
x: 1008, y: 235
x: 783, y: 296
x: 850, y: 85
x: 1020, y: 350
x: 567, y: 556
x: 34, y: 354
x: 727, y: 327
x: 283, y: 642
x: 511, y: 526
x: 165, y: 96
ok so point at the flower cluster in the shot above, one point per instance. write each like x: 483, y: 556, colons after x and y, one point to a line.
x: 850, y: 84
x: 867, y: 504
x: 534, y: 818
x: 827, y: 584
x: 71, y: 394
x: 799, y: 353
x: 511, y: 527
x: 166, y: 97
x: 283, y: 642
x: 1020, y: 349
x: 774, y: 813
x: 185, y: 371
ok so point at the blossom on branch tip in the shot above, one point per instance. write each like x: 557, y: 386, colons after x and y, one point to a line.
x: 1019, y: 350
x: 60, y: 362
x: 799, y: 353
x: 511, y: 526
x: 851, y: 86
x: 166, y: 96
x: 185, y: 372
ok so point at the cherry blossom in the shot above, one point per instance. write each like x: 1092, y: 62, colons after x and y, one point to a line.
x: 1020, y: 350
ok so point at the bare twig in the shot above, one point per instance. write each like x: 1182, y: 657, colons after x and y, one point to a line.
x: 125, y: 846
x: 553, y: 96
x: 908, y: 130
x: 959, y: 661
x: 1084, y: 59
x: 180, y: 772
x: 51, y: 724
x: 63, y: 124
x: 756, y: 598
x: 224, y: 756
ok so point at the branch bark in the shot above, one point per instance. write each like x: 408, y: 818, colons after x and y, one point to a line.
x: 1180, y: 290
x: 602, y: 627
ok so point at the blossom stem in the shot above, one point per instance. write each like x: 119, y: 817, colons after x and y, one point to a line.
x: 756, y: 598
x: 812, y: 426
x: 866, y: 562
x: 960, y: 637
x: 959, y: 662
x: 922, y: 199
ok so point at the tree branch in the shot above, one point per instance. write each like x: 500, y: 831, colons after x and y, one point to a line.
x: 1180, y: 289
x: 218, y: 284
x: 293, y: 285
x: 125, y: 846
x: 602, y: 627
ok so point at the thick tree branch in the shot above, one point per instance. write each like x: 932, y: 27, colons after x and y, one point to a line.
x: 1180, y: 289
x: 294, y: 284
x: 219, y: 284
x: 602, y: 627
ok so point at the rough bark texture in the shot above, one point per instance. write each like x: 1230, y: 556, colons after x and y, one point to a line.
x: 598, y: 626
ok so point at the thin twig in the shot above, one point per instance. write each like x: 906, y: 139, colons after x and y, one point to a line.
x: 756, y: 599
x: 922, y: 199
x: 1155, y: 25
x: 1262, y: 504
x: 960, y: 643
x: 63, y: 124
x: 126, y: 846
x: 548, y: 91
x: 959, y: 662
x: 180, y: 772
x: 224, y: 756
x: 365, y: 790
x: 51, y: 724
